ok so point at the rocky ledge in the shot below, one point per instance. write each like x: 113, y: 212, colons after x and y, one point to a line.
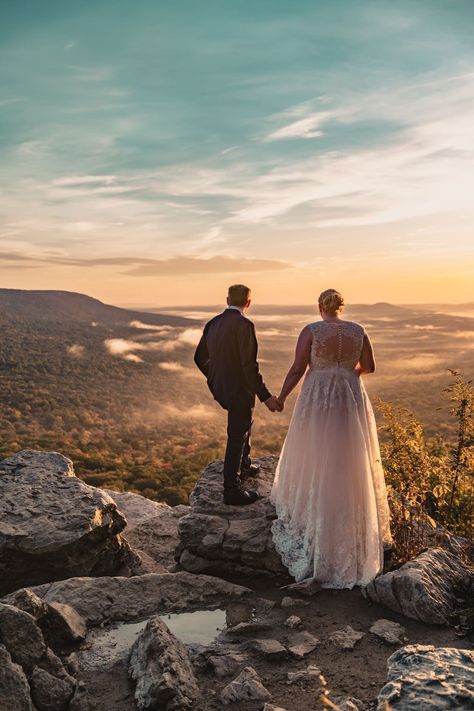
x: 215, y: 537
x: 53, y: 525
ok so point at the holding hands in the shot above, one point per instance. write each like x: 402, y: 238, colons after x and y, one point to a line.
x: 274, y: 404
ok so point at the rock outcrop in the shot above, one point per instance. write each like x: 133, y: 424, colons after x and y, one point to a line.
x: 107, y: 599
x: 426, y: 677
x: 426, y: 588
x: 152, y: 529
x: 53, y: 525
x: 32, y: 676
x: 215, y: 537
x: 162, y: 670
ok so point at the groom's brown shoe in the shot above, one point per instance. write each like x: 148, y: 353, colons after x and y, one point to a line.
x: 240, y: 497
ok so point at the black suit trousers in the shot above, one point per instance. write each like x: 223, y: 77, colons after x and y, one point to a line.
x: 237, y: 453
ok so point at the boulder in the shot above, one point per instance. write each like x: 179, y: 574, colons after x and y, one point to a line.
x: 427, y: 677
x: 346, y: 638
x: 152, y: 529
x: 53, y: 525
x: 162, y: 670
x: 226, y: 663
x: 215, y: 537
x: 22, y: 637
x: 116, y: 598
x: 245, y: 687
x: 426, y: 588
x: 14, y: 688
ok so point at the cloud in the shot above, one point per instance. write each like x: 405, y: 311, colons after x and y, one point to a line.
x: 76, y: 351
x: 190, y: 336
x: 149, y: 327
x: 213, y: 265
x: 133, y: 358
x: 308, y: 127
x: 172, y: 366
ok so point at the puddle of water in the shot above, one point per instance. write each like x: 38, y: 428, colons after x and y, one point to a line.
x: 201, y: 627
x: 106, y: 647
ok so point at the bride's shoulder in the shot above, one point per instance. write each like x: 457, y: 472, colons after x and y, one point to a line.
x: 355, y: 326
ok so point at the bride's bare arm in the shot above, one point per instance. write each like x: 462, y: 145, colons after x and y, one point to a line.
x: 297, y: 370
x: 366, y: 362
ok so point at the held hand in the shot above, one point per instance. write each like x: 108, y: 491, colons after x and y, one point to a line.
x: 273, y: 404
x: 281, y: 404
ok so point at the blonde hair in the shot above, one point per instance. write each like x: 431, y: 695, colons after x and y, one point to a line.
x: 331, y: 301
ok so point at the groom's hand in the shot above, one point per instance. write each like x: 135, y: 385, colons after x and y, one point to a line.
x: 273, y: 404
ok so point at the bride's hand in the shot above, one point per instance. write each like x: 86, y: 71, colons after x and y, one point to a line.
x: 281, y: 403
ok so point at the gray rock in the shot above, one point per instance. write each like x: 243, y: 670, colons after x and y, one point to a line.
x: 293, y: 602
x: 346, y: 638
x: 52, y: 525
x: 302, y: 643
x: 247, y: 686
x: 389, y: 631
x: 50, y: 693
x: 116, y: 598
x: 271, y: 649
x: 426, y: 677
x: 162, y: 670
x: 426, y: 588
x: 21, y: 636
x: 293, y: 622
x: 271, y: 707
x: 80, y: 700
x: 28, y: 601
x: 226, y: 663
x: 152, y: 530
x: 14, y: 688
x: 248, y: 628
x: 310, y: 674
x: 62, y: 625
x: 34, y: 459
x: 216, y: 537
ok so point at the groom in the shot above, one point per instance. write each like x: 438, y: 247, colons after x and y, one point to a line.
x: 227, y: 356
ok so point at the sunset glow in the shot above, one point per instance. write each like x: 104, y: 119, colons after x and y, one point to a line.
x: 155, y: 152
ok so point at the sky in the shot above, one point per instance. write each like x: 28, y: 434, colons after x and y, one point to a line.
x: 153, y: 152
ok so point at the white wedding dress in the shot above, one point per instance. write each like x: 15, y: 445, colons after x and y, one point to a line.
x: 333, y: 519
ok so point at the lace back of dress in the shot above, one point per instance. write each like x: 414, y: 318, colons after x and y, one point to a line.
x: 336, y: 344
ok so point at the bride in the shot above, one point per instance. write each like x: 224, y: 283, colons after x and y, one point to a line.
x: 333, y: 519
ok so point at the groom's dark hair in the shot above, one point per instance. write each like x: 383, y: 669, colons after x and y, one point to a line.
x: 238, y: 295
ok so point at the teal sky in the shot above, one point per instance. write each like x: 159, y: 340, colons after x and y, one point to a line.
x: 152, y: 148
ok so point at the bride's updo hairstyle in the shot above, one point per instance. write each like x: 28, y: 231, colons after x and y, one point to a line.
x: 331, y: 301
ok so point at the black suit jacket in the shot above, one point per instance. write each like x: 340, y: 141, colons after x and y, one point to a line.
x: 227, y: 355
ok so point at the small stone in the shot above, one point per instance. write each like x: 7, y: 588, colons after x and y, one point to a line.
x: 247, y: 628
x: 389, y: 631
x: 79, y: 701
x: 226, y: 664
x: 271, y: 707
x: 293, y: 602
x: 247, y: 686
x: 302, y: 643
x: 270, y: 648
x: 310, y: 674
x: 346, y: 638
x: 294, y: 622
x: 349, y: 703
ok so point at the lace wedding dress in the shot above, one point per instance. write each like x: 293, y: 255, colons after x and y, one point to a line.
x: 329, y: 491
